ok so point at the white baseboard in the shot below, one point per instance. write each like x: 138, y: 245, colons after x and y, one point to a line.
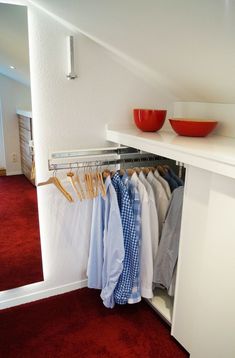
x: 38, y: 295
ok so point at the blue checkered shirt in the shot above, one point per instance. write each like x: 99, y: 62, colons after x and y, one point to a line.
x: 131, y: 243
x: 135, y: 295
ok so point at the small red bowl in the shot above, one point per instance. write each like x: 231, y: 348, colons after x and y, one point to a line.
x: 192, y: 127
x: 149, y: 120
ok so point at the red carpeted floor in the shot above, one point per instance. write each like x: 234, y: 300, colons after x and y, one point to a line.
x: 20, y: 252
x: 76, y: 324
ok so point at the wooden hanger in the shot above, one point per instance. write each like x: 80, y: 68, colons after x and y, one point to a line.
x: 122, y: 171
x: 89, y: 185
x: 70, y: 176
x: 130, y: 171
x: 137, y: 170
x: 54, y: 180
x: 101, y: 184
x: 77, y: 180
x: 161, y: 170
x: 145, y: 170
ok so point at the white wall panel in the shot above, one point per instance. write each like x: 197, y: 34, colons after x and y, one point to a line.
x: 213, y: 335
x: 192, y: 241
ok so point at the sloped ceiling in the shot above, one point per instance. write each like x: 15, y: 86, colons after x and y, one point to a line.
x: 188, y: 44
x: 14, y: 42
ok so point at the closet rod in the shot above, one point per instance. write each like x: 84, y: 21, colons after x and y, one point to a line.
x: 97, y: 163
x: 81, y: 153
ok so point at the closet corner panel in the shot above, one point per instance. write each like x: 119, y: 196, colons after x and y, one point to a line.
x: 193, y: 229
x: 215, y: 313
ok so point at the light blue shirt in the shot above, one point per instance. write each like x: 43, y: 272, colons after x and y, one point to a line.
x: 96, y: 252
x: 105, y: 263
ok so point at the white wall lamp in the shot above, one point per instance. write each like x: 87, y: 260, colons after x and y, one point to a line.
x: 71, y: 73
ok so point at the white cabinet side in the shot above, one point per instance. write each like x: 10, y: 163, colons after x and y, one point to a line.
x: 214, y: 324
x: 193, y: 231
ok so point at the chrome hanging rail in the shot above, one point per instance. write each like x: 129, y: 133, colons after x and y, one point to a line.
x: 98, y: 157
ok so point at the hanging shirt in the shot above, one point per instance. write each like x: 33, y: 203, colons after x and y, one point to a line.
x: 135, y: 295
x: 171, y: 289
x: 106, y: 253
x: 113, y: 246
x: 175, y: 177
x: 171, y: 181
x: 154, y: 226
x: 70, y: 225
x: 164, y: 183
x: 146, y: 254
x: 161, y: 198
x: 169, y: 243
x: 131, y: 244
x: 96, y: 252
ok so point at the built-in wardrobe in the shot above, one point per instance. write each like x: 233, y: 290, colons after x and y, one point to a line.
x: 206, y: 265
x: 206, y: 262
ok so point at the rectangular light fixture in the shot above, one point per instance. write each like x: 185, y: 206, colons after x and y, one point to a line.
x: 70, y: 44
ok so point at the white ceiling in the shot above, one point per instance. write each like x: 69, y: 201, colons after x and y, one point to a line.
x: 189, y: 44
x: 14, y: 42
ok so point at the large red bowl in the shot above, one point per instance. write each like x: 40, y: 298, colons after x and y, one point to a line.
x: 192, y: 127
x: 149, y: 120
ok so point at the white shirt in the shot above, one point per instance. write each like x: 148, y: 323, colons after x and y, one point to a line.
x: 146, y: 254
x: 161, y: 199
x: 164, y: 183
x: 70, y: 225
x: 154, y: 227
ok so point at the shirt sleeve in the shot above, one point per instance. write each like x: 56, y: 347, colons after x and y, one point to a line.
x: 95, y: 259
x: 113, y: 250
x: 169, y: 243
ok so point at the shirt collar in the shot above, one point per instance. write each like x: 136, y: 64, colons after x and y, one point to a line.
x: 156, y: 173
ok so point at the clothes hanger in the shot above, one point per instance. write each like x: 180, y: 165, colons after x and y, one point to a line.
x: 54, y: 180
x: 137, y: 170
x: 161, y: 170
x: 94, y: 181
x: 70, y: 176
x: 122, y: 171
x: 77, y: 180
x: 145, y: 170
x: 90, y: 179
x: 100, y: 182
x: 87, y: 185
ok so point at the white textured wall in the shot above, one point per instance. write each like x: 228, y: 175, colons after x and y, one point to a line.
x: 71, y: 115
x: 13, y: 95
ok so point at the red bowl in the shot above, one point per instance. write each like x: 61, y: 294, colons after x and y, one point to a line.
x: 149, y: 120
x: 192, y: 127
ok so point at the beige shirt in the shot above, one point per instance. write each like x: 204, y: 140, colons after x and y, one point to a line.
x: 164, y: 183
x: 161, y: 198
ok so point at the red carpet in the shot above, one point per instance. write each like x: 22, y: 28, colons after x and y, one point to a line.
x: 77, y: 324
x: 20, y: 252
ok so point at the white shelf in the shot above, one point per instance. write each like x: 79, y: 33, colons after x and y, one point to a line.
x: 163, y: 304
x: 213, y: 153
